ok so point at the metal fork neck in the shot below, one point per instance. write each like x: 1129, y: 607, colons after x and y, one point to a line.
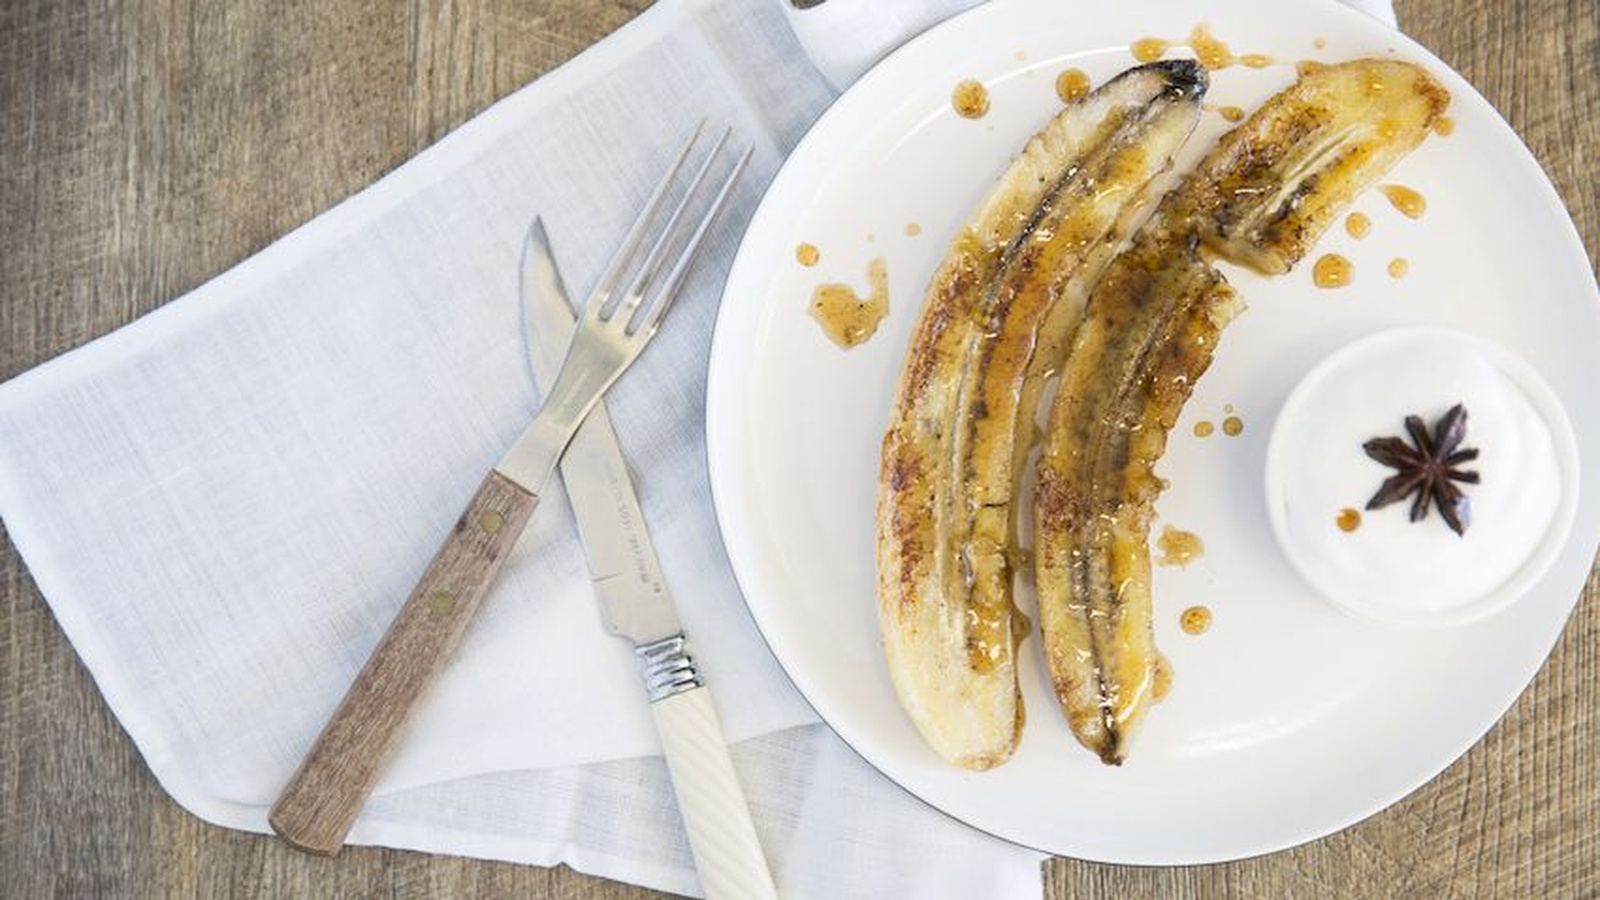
x: 590, y: 368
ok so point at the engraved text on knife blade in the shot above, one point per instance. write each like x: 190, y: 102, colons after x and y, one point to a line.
x: 633, y: 597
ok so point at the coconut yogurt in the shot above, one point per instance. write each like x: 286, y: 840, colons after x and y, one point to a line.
x: 1391, y: 568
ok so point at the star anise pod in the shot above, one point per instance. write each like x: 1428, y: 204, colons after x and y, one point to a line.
x: 1428, y: 467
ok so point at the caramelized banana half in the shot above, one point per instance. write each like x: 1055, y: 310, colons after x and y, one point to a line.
x: 998, y: 314
x: 1149, y: 333
x: 1260, y: 198
x: 1270, y: 188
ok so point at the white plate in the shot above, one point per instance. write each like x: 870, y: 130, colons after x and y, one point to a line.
x: 1287, y: 720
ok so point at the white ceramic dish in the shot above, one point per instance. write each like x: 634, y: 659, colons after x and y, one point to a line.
x: 1387, y: 567
x: 1288, y: 719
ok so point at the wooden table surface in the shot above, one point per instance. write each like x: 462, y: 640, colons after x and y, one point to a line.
x: 150, y: 144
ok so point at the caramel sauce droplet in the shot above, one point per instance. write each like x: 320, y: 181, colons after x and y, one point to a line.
x: 807, y: 254
x: 1357, y: 224
x: 1444, y: 126
x: 1349, y: 519
x: 1195, y: 620
x: 1148, y: 50
x: 1331, y: 271
x: 1408, y: 201
x: 1319, y: 43
x: 1203, y: 429
x: 1212, y: 53
x: 1233, y: 426
x: 913, y: 229
x: 1208, y: 51
x: 970, y: 99
x: 1398, y: 267
x: 1072, y: 85
x: 1161, y: 677
x: 847, y: 318
x: 1179, y: 548
x: 988, y: 636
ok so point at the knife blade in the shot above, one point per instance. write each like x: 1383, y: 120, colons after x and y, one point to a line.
x: 323, y: 798
x: 623, y: 567
x: 636, y: 605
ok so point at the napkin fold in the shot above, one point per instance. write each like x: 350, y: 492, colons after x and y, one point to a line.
x: 224, y: 502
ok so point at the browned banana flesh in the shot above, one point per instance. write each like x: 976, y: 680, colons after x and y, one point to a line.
x: 1260, y: 198
x: 1032, y: 308
x: 998, y: 311
x: 1148, y: 335
x: 1272, y: 186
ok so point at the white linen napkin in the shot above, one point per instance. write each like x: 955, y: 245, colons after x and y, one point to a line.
x: 225, y: 502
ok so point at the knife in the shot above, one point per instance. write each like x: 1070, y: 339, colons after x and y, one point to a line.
x: 636, y: 604
x: 325, y: 795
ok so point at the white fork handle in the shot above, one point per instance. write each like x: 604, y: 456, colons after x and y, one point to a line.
x: 726, y: 852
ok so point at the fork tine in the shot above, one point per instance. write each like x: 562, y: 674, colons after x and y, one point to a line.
x: 669, y: 289
x: 669, y: 234
x: 623, y: 257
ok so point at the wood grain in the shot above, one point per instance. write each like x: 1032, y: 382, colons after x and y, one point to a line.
x: 326, y: 793
x: 151, y: 144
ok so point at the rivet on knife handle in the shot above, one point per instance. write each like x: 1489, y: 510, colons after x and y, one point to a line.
x: 316, y: 810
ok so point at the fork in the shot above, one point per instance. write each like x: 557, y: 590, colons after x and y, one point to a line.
x: 322, y: 800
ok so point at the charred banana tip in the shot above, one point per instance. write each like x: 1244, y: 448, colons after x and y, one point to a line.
x: 1113, y: 751
x: 1189, y: 78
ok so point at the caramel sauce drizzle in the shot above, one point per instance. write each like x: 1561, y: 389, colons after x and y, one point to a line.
x: 970, y: 99
x: 1178, y: 547
x: 1195, y: 620
x: 1410, y: 203
x: 1357, y: 225
x: 1073, y: 85
x: 847, y: 318
x: 1211, y: 52
x: 1331, y: 271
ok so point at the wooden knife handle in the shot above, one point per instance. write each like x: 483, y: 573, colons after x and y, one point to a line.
x: 321, y: 802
